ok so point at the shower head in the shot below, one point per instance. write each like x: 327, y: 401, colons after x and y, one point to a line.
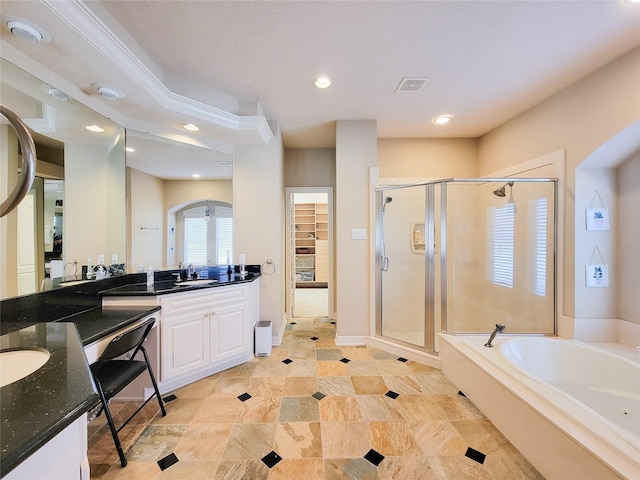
x: 386, y: 200
x: 500, y: 192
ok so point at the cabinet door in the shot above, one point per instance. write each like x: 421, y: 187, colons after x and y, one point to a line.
x: 185, y: 343
x: 228, y: 335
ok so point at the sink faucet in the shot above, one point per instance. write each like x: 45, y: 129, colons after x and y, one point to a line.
x: 100, y: 271
x: 499, y: 329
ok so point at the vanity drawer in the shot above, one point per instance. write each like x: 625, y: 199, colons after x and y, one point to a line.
x: 179, y: 302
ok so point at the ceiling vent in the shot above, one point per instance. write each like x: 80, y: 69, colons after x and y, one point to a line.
x: 412, y: 84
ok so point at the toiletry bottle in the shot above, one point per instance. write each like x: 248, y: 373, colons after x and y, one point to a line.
x: 242, y: 259
x: 150, y: 277
x: 140, y: 268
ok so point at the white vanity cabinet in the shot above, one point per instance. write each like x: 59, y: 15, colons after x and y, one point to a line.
x: 185, y: 342
x: 64, y: 457
x: 205, y: 331
x: 201, y: 331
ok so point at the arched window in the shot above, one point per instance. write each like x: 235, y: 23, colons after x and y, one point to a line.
x: 208, y: 233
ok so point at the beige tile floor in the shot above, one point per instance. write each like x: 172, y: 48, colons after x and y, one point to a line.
x: 318, y: 412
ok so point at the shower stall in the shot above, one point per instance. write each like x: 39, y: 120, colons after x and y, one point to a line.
x: 462, y: 255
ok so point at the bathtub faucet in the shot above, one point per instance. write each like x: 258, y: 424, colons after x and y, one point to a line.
x: 499, y: 329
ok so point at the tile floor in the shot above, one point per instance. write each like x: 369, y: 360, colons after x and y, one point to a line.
x: 311, y: 411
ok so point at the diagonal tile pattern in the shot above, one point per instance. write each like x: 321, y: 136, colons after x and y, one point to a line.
x: 311, y: 410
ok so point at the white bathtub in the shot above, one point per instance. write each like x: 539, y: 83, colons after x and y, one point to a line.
x: 572, y: 409
x: 605, y: 383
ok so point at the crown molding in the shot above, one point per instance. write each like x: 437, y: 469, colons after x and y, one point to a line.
x: 86, y: 24
x: 46, y: 124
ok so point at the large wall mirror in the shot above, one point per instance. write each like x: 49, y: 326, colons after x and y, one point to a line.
x: 180, y: 202
x: 91, y: 199
x: 76, y: 207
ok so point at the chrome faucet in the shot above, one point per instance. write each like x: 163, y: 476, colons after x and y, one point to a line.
x: 499, y: 329
x: 99, y: 271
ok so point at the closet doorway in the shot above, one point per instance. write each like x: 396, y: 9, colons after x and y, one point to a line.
x: 310, y: 252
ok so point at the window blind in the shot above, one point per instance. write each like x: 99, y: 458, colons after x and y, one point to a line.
x: 540, y: 249
x: 195, y: 240
x: 503, y: 220
x: 224, y: 240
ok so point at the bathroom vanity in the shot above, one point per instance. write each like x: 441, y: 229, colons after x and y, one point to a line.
x: 202, y: 328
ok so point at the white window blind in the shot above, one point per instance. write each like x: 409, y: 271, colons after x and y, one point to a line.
x: 195, y: 240
x: 224, y: 240
x: 503, y: 220
x: 540, y: 249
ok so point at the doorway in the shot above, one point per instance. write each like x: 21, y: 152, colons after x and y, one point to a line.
x: 310, y: 252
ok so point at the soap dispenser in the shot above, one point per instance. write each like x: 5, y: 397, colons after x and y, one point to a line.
x: 150, y: 277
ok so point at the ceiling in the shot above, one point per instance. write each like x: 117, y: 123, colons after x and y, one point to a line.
x: 238, y: 69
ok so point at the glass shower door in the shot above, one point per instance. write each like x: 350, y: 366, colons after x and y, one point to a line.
x: 401, y: 266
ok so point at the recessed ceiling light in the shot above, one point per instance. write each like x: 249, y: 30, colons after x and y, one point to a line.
x: 441, y: 119
x: 25, y: 32
x: 190, y: 126
x: 322, y: 82
x: 130, y: 149
x: 94, y: 128
x: 108, y: 92
x: 57, y: 94
x: 195, y: 175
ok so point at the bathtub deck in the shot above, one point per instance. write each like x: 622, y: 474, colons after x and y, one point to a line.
x: 520, y: 413
x: 623, y: 351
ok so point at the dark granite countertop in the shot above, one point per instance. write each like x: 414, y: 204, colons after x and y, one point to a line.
x: 102, y: 321
x: 64, y: 320
x: 36, y: 408
x: 165, y: 286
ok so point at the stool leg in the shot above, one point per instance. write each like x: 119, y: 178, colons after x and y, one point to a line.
x: 112, y: 427
x: 153, y: 381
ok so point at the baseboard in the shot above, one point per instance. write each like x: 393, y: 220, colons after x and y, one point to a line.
x: 405, y: 352
x: 348, y: 341
x: 276, y: 340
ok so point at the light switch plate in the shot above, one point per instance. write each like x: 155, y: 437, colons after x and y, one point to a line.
x: 358, y: 233
x: 114, y: 258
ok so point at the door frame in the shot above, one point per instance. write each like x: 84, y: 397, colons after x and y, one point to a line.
x: 290, y: 279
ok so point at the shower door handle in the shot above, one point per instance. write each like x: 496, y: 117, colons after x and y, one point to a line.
x: 385, y: 264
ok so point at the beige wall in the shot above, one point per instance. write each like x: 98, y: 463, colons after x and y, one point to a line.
x: 258, y: 220
x: 628, y: 253
x: 595, y: 302
x: 432, y: 158
x: 145, y: 194
x: 86, y: 204
x: 310, y: 167
x: 180, y: 192
x: 356, y: 153
x: 578, y: 119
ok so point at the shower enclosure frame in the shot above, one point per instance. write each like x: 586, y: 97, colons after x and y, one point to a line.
x: 431, y: 257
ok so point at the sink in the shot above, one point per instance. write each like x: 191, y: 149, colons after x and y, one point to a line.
x: 17, y: 364
x: 202, y: 281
